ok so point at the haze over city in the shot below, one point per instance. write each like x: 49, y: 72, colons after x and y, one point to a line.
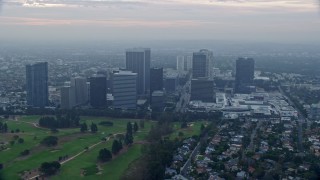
x: 277, y: 21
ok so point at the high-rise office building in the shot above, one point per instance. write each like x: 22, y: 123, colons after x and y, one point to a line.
x: 188, y: 63
x: 125, y: 90
x: 180, y: 64
x: 138, y: 61
x: 157, y: 104
x: 202, y: 63
x: 37, y: 84
x: 244, y: 75
x: 202, y: 90
x: 98, y: 91
x: 171, y: 83
x: 67, y: 95
x: 79, y: 85
x: 156, y: 79
x: 184, y: 63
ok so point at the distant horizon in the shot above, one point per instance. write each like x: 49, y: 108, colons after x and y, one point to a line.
x: 275, y: 21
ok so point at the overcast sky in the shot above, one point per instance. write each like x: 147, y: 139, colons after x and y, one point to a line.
x: 278, y: 21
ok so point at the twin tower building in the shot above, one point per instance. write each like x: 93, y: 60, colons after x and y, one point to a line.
x: 136, y: 80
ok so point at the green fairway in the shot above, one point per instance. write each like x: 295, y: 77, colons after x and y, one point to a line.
x: 71, y: 142
x: 115, y: 169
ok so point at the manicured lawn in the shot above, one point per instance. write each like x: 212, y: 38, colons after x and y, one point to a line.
x: 193, y: 128
x: 116, y: 168
x: 111, y: 170
x: 71, y: 142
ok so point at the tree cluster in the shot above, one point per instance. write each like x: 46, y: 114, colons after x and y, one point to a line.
x: 116, y: 146
x: 50, y: 141
x: 94, y: 128
x: 25, y: 152
x: 3, y: 127
x: 158, y: 153
x: 49, y: 168
x: 84, y: 127
x: 71, y: 119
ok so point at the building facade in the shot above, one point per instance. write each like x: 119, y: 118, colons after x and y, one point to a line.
x: 67, y: 95
x: 125, y: 90
x: 98, y: 91
x: 244, y: 75
x: 37, y: 85
x: 202, y: 90
x: 157, y: 103
x: 202, y: 64
x: 171, y: 83
x: 138, y: 61
x: 156, y: 79
x: 81, y: 90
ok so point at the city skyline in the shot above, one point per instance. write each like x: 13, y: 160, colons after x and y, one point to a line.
x: 252, y: 20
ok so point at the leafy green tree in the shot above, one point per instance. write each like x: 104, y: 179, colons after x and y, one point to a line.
x: 25, y: 152
x: 84, y: 127
x: 50, y: 141
x: 129, y: 128
x: 49, y: 168
x: 135, y: 127
x: 202, y: 127
x: 104, y: 155
x: 120, y: 144
x: 94, y: 128
x: 129, y: 137
x: 116, y: 146
x: 20, y: 140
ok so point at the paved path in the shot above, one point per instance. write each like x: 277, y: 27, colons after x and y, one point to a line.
x: 80, y: 153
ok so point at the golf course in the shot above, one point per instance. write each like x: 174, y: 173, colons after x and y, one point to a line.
x: 76, y: 151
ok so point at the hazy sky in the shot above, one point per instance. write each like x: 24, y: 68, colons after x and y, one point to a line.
x: 253, y: 20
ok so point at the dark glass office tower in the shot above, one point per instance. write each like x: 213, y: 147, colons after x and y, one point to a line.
x: 244, y: 74
x: 156, y: 79
x: 98, y: 91
x: 138, y: 61
x: 202, y: 90
x: 202, y: 64
x: 37, y: 84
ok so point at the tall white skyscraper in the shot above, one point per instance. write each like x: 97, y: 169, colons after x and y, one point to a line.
x: 180, y: 64
x: 125, y: 90
x: 184, y: 63
x: 189, y: 62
